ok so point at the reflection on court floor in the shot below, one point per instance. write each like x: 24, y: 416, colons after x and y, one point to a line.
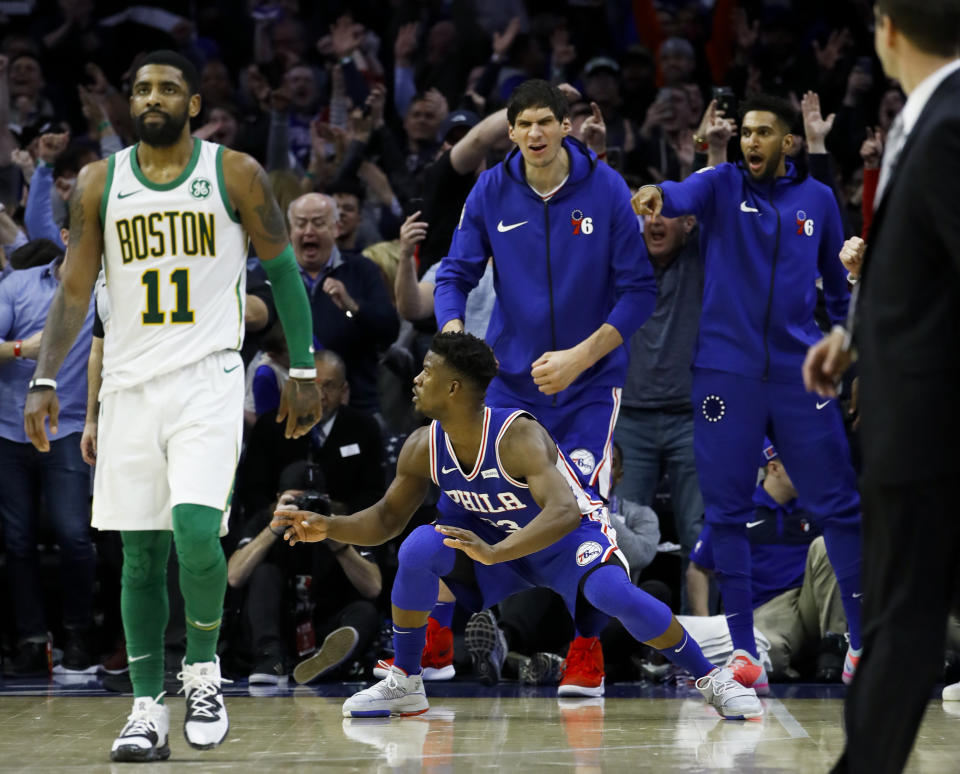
x: 68, y: 725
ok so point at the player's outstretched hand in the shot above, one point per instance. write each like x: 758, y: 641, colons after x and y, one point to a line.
x: 299, y: 526
x: 40, y: 405
x: 300, y: 406
x: 647, y: 201
x: 464, y: 540
x: 826, y: 362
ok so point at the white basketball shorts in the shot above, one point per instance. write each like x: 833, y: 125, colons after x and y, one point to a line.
x: 173, y: 440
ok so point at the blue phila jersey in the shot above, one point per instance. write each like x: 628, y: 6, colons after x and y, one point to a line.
x: 487, y: 493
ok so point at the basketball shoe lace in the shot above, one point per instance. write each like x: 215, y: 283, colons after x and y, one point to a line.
x: 141, y: 721
x: 389, y: 687
x: 724, y: 688
x: 199, y: 689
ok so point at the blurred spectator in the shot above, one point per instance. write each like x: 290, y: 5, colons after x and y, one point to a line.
x: 28, y: 105
x: 266, y: 375
x: 796, y: 599
x: 355, y: 234
x: 301, y: 595
x: 57, y: 169
x: 665, y: 146
x: 655, y: 425
x: 352, y: 314
x: 345, y: 443
x: 677, y: 61
x: 602, y: 85
x: 56, y: 484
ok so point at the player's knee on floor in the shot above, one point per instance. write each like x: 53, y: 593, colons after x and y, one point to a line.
x: 196, y: 531
x: 609, y: 589
x: 424, y: 550
x: 145, y: 555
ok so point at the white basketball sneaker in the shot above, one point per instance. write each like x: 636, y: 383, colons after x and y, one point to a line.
x: 205, y: 724
x: 748, y: 671
x: 397, y: 694
x: 951, y: 692
x: 145, y: 737
x: 731, y: 699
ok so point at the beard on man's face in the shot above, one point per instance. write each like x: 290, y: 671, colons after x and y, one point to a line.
x: 161, y: 134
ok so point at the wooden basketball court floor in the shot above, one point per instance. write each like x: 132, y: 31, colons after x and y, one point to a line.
x: 53, y: 727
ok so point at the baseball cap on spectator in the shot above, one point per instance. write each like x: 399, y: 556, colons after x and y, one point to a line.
x: 600, y: 63
x: 459, y: 122
x: 769, y: 453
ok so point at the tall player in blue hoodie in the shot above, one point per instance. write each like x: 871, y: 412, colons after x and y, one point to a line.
x: 768, y: 232
x: 571, y: 274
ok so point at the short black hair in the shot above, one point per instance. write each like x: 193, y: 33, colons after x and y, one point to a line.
x: 768, y: 103
x: 468, y: 356
x: 347, y: 186
x: 537, y: 93
x: 165, y: 56
x: 933, y: 25
x: 36, y: 252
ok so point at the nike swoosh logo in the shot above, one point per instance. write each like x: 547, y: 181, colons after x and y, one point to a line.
x: 447, y: 470
x: 683, y: 645
x: 745, y: 208
x: 131, y: 193
x: 131, y: 659
x: 821, y: 405
x: 228, y: 370
x: 754, y: 523
x: 504, y: 229
x: 857, y: 596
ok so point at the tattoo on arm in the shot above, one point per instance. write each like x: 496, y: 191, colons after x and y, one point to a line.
x: 64, y: 321
x: 271, y: 224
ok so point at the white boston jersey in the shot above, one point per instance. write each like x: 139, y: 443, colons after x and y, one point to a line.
x: 175, y: 257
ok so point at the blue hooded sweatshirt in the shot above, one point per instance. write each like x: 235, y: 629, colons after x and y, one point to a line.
x: 764, y: 244
x: 562, y: 268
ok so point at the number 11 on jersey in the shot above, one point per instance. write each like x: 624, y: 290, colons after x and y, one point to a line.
x: 180, y: 278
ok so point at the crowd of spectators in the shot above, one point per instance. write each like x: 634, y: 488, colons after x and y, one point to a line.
x: 373, y: 120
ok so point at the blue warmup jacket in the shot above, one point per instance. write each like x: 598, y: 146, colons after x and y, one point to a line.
x: 562, y: 268
x: 763, y: 245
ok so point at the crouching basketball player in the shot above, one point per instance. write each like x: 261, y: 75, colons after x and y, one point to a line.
x: 512, y: 516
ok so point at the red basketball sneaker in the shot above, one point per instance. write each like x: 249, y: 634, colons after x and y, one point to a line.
x: 749, y: 672
x: 583, y: 672
x: 437, y: 658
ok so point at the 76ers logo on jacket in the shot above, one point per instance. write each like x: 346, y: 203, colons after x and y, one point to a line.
x: 581, y: 225
x: 804, y: 224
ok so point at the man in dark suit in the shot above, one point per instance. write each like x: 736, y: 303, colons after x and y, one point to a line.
x: 905, y: 335
x: 345, y: 443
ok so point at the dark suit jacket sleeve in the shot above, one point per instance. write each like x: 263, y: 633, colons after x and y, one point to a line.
x: 267, y: 454
x: 940, y: 172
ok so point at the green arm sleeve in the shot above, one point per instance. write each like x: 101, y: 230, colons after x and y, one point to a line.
x: 293, y: 307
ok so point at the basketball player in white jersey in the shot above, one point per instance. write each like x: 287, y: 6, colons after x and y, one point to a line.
x: 171, y: 216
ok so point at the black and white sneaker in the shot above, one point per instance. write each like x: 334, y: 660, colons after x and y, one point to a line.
x: 205, y: 724
x: 145, y: 737
x: 270, y: 669
x: 487, y: 647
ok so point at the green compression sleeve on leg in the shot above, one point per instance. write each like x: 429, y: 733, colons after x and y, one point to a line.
x: 293, y: 307
x: 203, y: 577
x: 144, y: 607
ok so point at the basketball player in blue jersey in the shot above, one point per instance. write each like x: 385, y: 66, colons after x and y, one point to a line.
x: 513, y: 516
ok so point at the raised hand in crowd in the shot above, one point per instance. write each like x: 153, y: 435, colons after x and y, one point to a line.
x: 337, y: 292
x: 259, y: 87
x: 378, y: 182
x: 594, y: 130
x: 658, y: 113
x: 872, y: 149
x: 851, y: 255
x: 829, y: 54
x: 344, y: 39
x: 52, y: 145
x: 717, y: 130
x: 438, y: 103
x: 405, y: 45
x: 815, y: 126
x: 23, y: 159
x: 562, y: 51
x: 375, y: 102
x: 359, y: 126
x: 412, y: 232
x: 503, y: 40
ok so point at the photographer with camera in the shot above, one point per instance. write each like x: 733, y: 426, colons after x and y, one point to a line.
x: 298, y: 597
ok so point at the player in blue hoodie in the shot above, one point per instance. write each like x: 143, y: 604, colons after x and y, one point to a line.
x: 571, y: 274
x: 768, y: 232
